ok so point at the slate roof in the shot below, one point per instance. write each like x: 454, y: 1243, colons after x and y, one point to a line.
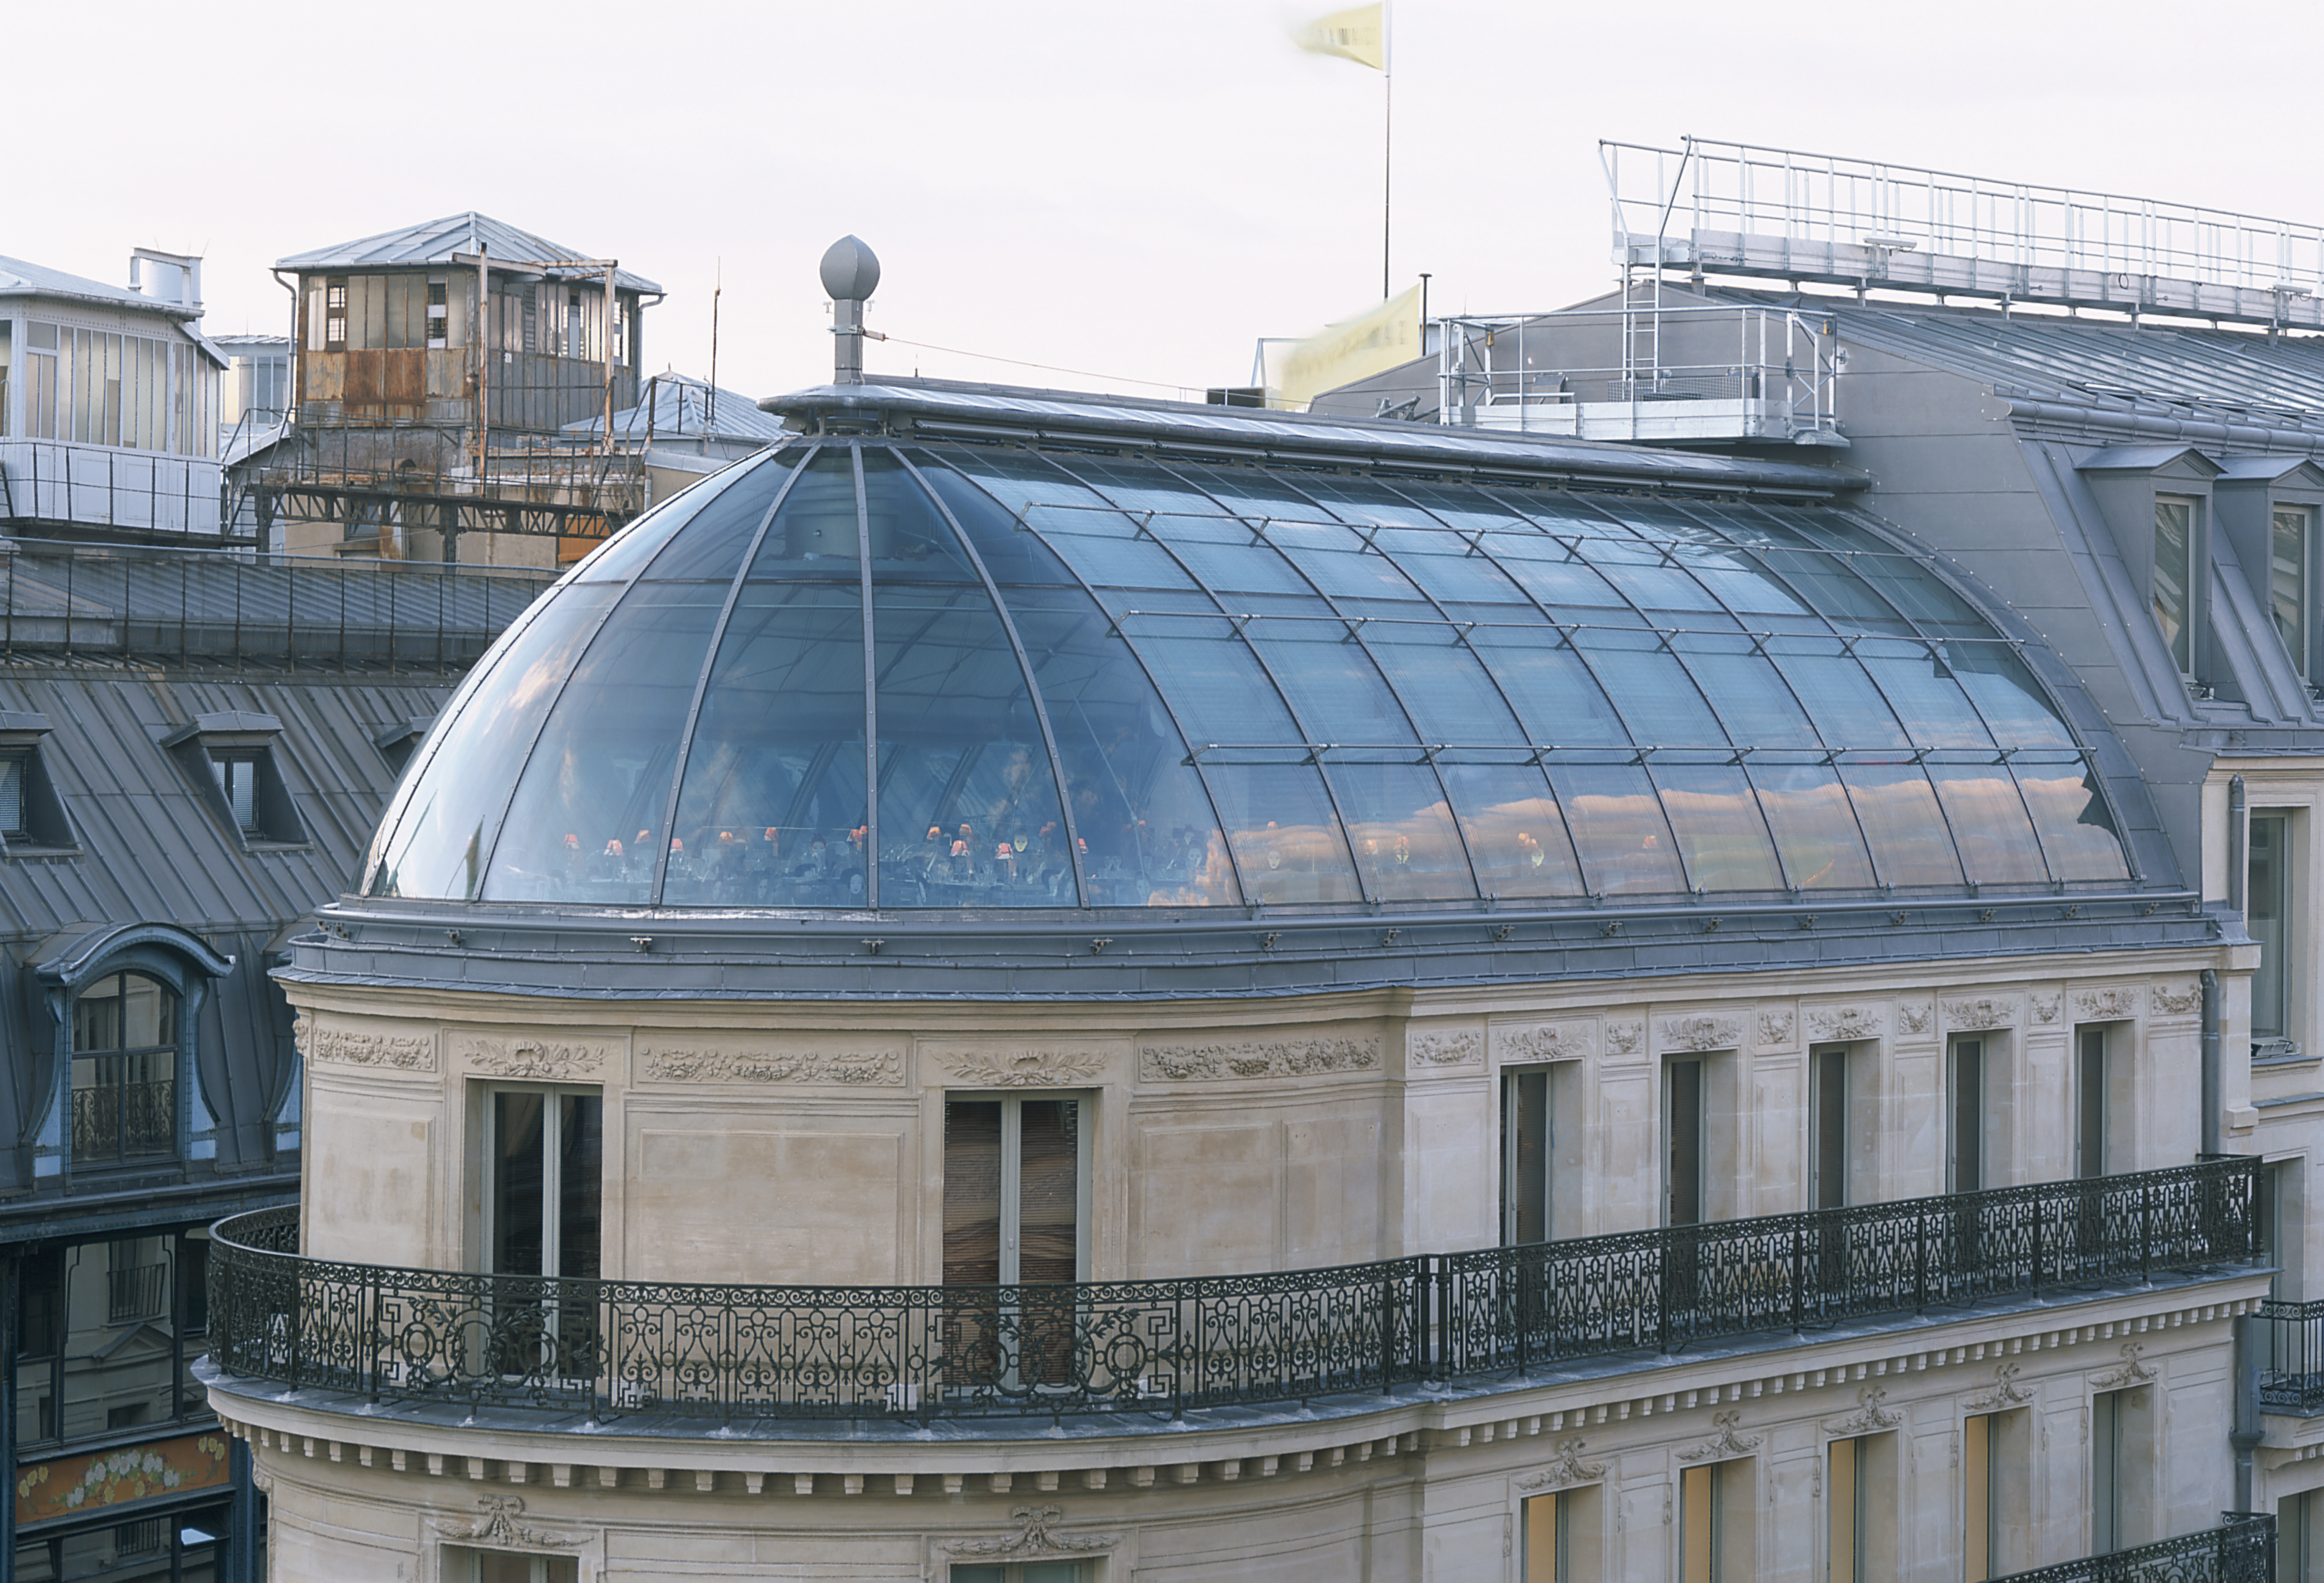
x: 434, y: 242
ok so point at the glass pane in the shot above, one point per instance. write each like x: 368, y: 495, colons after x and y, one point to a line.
x: 972, y: 1192
x: 2288, y: 581
x: 1716, y: 821
x: 1656, y: 699
x: 1515, y: 832
x: 1285, y: 838
x: 1442, y: 684
x: 2016, y: 709
x: 621, y: 558
x: 1989, y: 824
x: 1847, y: 709
x: 1338, y: 562
x: 909, y: 537
x: 96, y: 1016
x: 712, y: 543
x: 450, y: 811
x: 519, y: 1119
x: 580, y: 1184
x: 2174, y: 527
x: 1047, y: 1182
x: 1335, y: 690
x: 1748, y: 693
x: 1898, y: 812
x: 1140, y: 808
x: 814, y: 536
x: 1554, y: 574
x: 1815, y: 826
x: 774, y: 780
x: 2078, y: 828
x: 961, y: 751
x: 1095, y: 537
x: 1920, y: 689
x: 601, y: 772
x: 148, y: 1011
x: 1212, y: 682
x: 1451, y: 572
x: 1557, y: 700
x: 1402, y: 830
x: 1618, y: 829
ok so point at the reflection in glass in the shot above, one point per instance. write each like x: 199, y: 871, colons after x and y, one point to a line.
x: 585, y: 823
x: 1286, y: 837
x: 1897, y: 809
x: 1996, y: 842
x: 1402, y: 831
x: 1619, y: 828
x: 2069, y: 809
x: 1515, y: 832
x: 1814, y: 827
x: 1716, y: 819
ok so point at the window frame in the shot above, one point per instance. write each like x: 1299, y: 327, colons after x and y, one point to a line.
x: 174, y: 1047
x: 2193, y: 562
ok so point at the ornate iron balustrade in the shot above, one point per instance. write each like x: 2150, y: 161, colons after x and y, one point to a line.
x: 2242, y: 1549
x: 2290, y: 1345
x: 740, y: 1353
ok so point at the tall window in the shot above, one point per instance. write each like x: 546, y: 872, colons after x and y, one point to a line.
x: 1844, y: 1512
x: 1012, y: 1191
x: 1701, y: 1518
x: 2267, y: 884
x: 1528, y: 1140
x: 464, y: 1565
x: 15, y: 764
x: 335, y: 315
x: 1827, y: 1105
x: 546, y: 1150
x: 438, y: 314
x: 1980, y: 1511
x: 125, y: 1064
x: 2090, y: 1093
x: 1683, y: 1174
x: 237, y: 777
x: 2299, y: 1538
x: 1021, y: 1572
x: 2174, y: 581
x: 1549, y: 1537
x: 1965, y: 1115
x: 2119, y: 1446
x: 2290, y: 583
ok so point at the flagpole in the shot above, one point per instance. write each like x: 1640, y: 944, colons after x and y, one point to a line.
x: 1387, y: 136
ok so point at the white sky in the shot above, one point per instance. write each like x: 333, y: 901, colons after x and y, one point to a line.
x: 1139, y: 191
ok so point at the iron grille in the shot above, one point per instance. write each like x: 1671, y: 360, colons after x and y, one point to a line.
x: 738, y: 1353
x: 2242, y: 1549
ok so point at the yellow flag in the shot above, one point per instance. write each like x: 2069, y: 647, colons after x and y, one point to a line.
x: 1386, y: 336
x: 1357, y: 33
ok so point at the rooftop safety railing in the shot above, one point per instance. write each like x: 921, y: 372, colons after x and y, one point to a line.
x: 2241, y: 1549
x: 169, y: 603
x: 109, y: 486
x: 730, y: 1354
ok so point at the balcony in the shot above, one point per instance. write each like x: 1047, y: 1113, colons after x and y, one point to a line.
x: 2290, y: 1351
x: 2241, y: 1549
x: 1484, y: 1319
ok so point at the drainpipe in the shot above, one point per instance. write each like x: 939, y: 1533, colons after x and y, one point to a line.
x: 2245, y: 1434
x: 2210, y: 1063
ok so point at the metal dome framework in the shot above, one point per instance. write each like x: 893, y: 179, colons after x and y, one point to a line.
x: 862, y: 673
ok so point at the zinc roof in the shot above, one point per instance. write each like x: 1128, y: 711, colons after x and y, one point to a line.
x: 434, y: 242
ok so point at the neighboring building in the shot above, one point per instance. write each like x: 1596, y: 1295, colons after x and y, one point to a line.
x: 437, y: 370
x: 254, y: 397
x: 1027, y: 989
x: 108, y: 404
x: 193, y: 749
x: 685, y: 429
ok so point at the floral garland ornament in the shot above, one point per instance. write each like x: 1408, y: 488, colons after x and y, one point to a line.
x: 1034, y: 1537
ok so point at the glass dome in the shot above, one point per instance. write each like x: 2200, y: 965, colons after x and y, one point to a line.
x: 856, y: 673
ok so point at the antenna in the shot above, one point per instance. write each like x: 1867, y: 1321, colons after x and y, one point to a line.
x: 710, y: 401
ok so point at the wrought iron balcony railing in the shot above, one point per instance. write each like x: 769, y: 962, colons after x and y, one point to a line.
x: 2291, y: 1347
x: 739, y: 1353
x: 2241, y: 1549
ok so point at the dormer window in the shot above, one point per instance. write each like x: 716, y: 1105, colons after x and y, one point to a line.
x: 15, y: 763
x: 2174, y: 582
x: 230, y: 754
x: 2290, y: 584
x: 32, y: 818
x: 124, y: 1051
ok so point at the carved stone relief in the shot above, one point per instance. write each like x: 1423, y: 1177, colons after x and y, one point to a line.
x: 2175, y: 1001
x: 1624, y: 1037
x: 1869, y: 1417
x: 1775, y: 1024
x: 1843, y: 1024
x: 1565, y: 1469
x: 2045, y: 1007
x: 1274, y: 1058
x: 1703, y: 1033
x: 1914, y: 1019
x: 2005, y: 1393
x: 1037, y: 1535
x: 1555, y: 1040
x: 1033, y: 1067
x: 1727, y: 1442
x: 1466, y: 1048
x: 350, y: 1047
x: 2106, y: 1004
x: 501, y: 1525
x: 2130, y: 1371
x: 537, y: 1059
x: 763, y: 1063
x: 1972, y: 1016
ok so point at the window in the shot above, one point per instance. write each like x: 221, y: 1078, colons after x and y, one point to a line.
x: 1013, y: 1169
x: 7, y: 332
x: 238, y: 778
x: 462, y: 1565
x: 30, y: 812
x: 2174, y: 584
x: 2267, y: 915
x: 439, y: 315
x: 137, y: 1281
x: 1682, y: 1185
x: 2292, y: 583
x: 1021, y: 1572
x: 543, y: 1212
x: 1980, y: 1546
x: 1529, y: 1145
x: 1965, y: 1164
x: 230, y: 754
x: 124, y: 1061
x: 1701, y: 1522
x: 2299, y: 1538
x: 1844, y: 1513
x: 15, y: 763
x: 1561, y: 1536
x: 2091, y: 1095
x: 1828, y: 1103
x: 335, y: 315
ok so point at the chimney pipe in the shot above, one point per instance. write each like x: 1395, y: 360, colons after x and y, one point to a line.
x: 849, y: 275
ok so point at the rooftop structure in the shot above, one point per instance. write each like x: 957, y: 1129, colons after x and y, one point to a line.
x: 1031, y: 985
x: 438, y: 371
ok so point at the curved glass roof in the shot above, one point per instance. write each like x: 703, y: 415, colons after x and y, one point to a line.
x: 860, y: 673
